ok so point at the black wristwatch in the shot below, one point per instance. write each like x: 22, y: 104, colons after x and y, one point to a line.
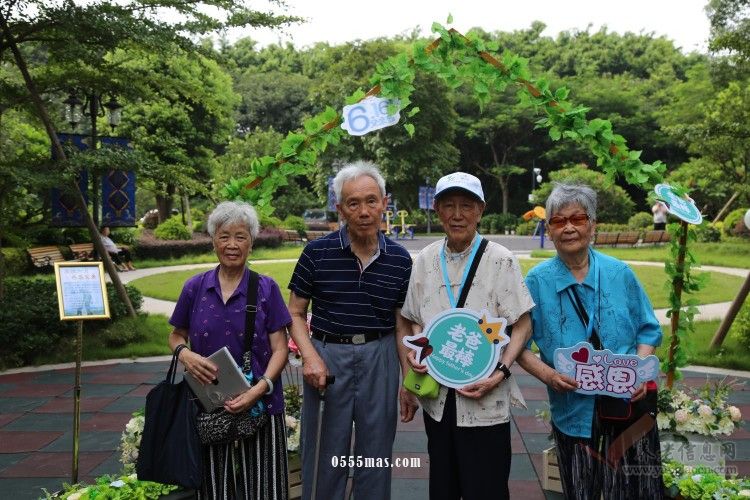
x: 504, y: 369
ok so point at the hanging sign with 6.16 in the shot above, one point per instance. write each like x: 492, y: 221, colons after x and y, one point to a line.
x: 368, y: 115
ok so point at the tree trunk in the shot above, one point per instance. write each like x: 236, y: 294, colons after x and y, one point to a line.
x: 725, y: 207
x: 165, y: 202
x: 726, y: 323
x: 187, y: 217
x: 504, y: 189
x: 60, y: 154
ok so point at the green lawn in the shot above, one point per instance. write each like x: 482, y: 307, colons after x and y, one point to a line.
x: 730, y: 355
x: 284, y: 252
x: 722, y: 288
x: 726, y: 253
x: 94, y: 349
x: 167, y: 286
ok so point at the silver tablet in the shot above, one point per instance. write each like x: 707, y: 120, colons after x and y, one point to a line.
x: 230, y: 381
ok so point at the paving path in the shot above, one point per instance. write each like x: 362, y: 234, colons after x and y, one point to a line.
x: 36, y: 408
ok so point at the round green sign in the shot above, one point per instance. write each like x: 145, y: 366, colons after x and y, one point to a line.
x: 461, y: 346
x: 678, y: 206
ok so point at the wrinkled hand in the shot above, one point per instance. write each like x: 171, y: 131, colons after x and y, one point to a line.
x: 562, y: 383
x: 477, y: 390
x: 315, y: 371
x: 244, y: 401
x: 409, y: 404
x: 198, y: 366
x: 639, y: 394
x: 411, y: 357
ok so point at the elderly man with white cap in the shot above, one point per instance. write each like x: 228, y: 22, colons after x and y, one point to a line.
x: 468, y: 430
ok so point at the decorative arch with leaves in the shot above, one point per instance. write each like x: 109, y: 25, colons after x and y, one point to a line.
x: 468, y: 60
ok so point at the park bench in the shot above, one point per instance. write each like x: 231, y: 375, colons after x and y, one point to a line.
x: 617, y: 238
x: 292, y: 235
x: 45, y: 256
x: 82, y: 251
x: 655, y: 237
x: 314, y: 235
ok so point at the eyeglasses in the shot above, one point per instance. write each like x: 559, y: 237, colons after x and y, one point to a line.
x: 558, y: 221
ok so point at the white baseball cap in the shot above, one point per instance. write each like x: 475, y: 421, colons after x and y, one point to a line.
x: 462, y: 181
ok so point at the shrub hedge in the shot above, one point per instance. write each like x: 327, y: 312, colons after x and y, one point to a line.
x: 30, y: 321
x: 172, y: 229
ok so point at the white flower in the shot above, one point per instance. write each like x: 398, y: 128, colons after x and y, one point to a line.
x: 681, y: 416
x: 697, y: 478
x: 706, y: 412
x: 726, y: 426
x: 291, y: 422
x: 744, y: 493
x: 736, y: 415
x: 662, y: 421
x: 292, y: 441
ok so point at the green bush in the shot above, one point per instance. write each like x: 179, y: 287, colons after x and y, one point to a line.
x: 526, y: 228
x: 741, y: 325
x: 123, y: 332
x: 16, y: 261
x: 604, y: 227
x: 125, y: 235
x: 268, y: 221
x: 731, y: 220
x: 641, y: 220
x: 30, y: 321
x: 708, y: 232
x: 172, y: 229
x: 295, y: 223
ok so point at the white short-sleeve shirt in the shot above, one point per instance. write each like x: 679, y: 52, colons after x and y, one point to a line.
x: 498, y: 287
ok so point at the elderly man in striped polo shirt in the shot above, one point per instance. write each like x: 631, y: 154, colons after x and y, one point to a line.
x: 357, y: 280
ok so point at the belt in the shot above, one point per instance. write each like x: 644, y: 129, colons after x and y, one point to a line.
x: 355, y: 339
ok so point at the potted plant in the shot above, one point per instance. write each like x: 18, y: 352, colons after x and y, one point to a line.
x: 691, y: 420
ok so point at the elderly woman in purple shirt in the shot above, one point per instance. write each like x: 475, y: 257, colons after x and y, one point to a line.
x: 209, y: 315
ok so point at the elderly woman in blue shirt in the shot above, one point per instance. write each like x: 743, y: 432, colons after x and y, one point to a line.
x: 620, y: 313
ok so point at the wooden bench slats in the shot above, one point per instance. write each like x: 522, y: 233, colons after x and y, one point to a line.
x: 82, y: 251
x: 45, y: 256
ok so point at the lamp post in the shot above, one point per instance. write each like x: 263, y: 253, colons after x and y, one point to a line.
x: 92, y: 107
x: 536, y: 178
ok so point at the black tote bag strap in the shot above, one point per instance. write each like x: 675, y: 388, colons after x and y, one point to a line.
x: 250, y: 311
x: 583, y: 316
x: 472, y: 272
x: 173, y: 365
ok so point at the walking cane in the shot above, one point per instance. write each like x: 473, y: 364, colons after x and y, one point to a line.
x: 321, y: 407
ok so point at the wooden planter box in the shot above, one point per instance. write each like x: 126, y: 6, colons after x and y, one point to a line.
x: 551, y: 473
x: 295, y: 476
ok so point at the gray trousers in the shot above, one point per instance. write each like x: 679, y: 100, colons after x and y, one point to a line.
x: 365, y: 393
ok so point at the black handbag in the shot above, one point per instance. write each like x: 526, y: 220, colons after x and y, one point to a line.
x: 170, y: 451
x: 609, y: 408
x: 220, y: 426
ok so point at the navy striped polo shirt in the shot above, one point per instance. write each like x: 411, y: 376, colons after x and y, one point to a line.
x: 346, y: 301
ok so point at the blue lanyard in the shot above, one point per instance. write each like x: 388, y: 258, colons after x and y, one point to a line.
x: 467, y: 266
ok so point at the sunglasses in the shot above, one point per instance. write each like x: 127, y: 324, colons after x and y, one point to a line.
x: 559, y: 221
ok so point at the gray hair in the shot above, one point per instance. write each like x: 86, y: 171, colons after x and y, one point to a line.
x: 233, y: 212
x: 564, y: 194
x: 354, y: 171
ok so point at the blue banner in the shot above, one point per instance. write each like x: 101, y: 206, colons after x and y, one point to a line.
x: 426, y: 197
x: 331, y: 196
x: 63, y: 203
x: 118, y: 191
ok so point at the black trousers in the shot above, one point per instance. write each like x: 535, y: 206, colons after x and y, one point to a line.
x: 123, y: 255
x: 469, y: 463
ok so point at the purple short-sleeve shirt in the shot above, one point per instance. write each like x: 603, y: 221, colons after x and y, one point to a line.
x: 211, y: 324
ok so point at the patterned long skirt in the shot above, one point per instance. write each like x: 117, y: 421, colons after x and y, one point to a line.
x: 622, y: 462
x: 250, y: 469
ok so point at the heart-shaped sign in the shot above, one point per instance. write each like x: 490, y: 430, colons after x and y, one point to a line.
x: 581, y: 355
x: 596, y: 358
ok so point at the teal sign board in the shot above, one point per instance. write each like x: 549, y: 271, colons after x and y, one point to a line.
x: 683, y: 208
x: 460, y: 346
